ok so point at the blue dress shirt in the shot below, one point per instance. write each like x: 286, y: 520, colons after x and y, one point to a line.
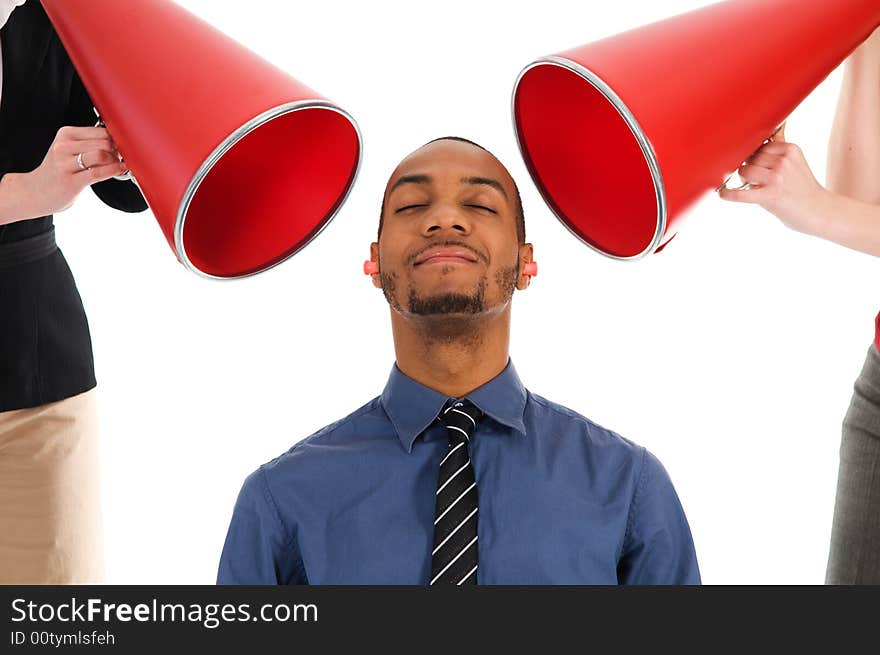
x: 561, y: 500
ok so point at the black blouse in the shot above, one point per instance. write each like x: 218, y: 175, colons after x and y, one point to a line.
x: 45, y: 347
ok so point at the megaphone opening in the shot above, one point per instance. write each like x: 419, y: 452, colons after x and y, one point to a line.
x: 589, y: 158
x: 267, y: 190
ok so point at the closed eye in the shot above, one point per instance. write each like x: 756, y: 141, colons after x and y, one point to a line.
x: 403, y: 209
x: 483, y: 207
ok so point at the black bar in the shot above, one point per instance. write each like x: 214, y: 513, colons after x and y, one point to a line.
x: 262, y: 619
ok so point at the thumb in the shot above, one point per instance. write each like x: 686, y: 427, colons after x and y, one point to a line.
x: 779, y: 135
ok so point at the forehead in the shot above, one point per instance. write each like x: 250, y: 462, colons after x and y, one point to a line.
x: 451, y: 161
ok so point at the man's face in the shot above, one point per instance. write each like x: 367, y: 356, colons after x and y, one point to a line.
x: 449, y: 241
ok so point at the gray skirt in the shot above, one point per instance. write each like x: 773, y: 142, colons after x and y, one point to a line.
x: 854, y: 556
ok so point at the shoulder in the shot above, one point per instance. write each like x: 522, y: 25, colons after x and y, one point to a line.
x: 337, y: 439
x: 604, y: 452
x: 325, y: 459
x: 559, y: 422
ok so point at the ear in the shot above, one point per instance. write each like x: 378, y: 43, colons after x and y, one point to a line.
x: 374, y: 257
x: 526, y: 255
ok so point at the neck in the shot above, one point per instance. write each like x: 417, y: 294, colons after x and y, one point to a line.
x: 452, y: 355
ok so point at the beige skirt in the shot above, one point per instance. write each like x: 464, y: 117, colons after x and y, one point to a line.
x: 50, y: 499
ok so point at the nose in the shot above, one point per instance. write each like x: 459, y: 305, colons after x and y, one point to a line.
x: 445, y: 216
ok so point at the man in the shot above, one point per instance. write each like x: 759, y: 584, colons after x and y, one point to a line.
x: 456, y: 473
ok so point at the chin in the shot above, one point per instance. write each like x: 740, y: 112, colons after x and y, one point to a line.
x: 451, y: 282
x: 446, y: 304
x: 446, y: 291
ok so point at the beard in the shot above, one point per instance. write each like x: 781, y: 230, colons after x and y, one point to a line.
x: 450, y: 317
x: 446, y: 304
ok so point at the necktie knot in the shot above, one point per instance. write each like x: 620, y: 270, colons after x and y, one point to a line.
x: 461, y: 418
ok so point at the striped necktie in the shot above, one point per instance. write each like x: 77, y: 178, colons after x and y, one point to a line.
x: 454, y: 558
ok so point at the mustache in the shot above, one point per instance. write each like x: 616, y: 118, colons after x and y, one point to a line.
x: 450, y: 244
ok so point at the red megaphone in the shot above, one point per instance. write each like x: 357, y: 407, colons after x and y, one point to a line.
x: 241, y: 164
x: 622, y: 135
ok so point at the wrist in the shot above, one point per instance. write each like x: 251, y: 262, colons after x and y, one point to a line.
x: 13, y: 193
x: 23, y: 196
x: 826, y: 205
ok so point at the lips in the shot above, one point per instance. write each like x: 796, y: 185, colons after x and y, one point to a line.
x: 446, y: 256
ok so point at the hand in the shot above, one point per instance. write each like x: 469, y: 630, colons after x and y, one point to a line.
x: 783, y: 184
x: 58, y: 180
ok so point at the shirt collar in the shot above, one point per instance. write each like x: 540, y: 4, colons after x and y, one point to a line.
x: 412, y: 406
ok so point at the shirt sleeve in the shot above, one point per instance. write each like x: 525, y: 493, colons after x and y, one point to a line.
x: 258, y: 549
x: 123, y: 195
x: 658, y: 547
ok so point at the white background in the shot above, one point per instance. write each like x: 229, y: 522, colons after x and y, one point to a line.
x: 731, y: 355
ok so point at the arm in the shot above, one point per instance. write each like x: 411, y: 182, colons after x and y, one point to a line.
x: 259, y: 550
x: 658, y: 548
x: 848, y: 211
x: 854, y: 147
x: 852, y: 223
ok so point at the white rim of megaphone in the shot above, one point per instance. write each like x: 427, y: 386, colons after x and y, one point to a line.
x: 221, y: 150
x: 635, y: 128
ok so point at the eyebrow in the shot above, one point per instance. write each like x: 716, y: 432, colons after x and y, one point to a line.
x: 410, y: 179
x: 486, y: 181
x: 426, y: 179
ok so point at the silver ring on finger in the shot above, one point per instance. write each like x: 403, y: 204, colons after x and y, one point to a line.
x: 81, y: 163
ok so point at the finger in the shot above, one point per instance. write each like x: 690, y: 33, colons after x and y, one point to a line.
x: 83, y: 133
x: 780, y: 148
x: 86, y: 145
x: 99, y: 158
x: 779, y: 136
x: 752, y: 196
x: 90, y: 160
x: 765, y: 159
x: 768, y: 144
x: 100, y: 173
x: 756, y: 175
